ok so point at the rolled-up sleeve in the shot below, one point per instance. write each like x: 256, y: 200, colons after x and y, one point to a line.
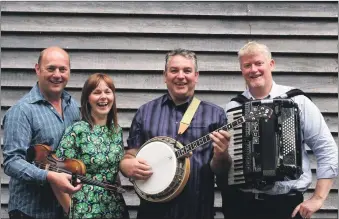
x: 17, y: 138
x: 318, y: 137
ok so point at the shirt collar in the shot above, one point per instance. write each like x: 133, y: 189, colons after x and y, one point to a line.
x: 273, y: 93
x: 168, y: 99
x: 36, y: 95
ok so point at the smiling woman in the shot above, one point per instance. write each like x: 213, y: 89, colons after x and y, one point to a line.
x: 101, y: 101
x: 97, y: 141
x: 98, y: 103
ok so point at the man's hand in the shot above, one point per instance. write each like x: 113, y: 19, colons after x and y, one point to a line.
x: 221, y: 160
x: 62, y: 182
x: 308, y: 207
x: 136, y: 168
x: 220, y: 143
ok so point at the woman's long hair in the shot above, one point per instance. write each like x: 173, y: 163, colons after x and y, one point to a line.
x: 91, y: 83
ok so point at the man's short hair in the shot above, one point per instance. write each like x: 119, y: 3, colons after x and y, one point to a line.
x: 183, y: 52
x: 43, y: 52
x: 253, y: 47
x: 40, y: 57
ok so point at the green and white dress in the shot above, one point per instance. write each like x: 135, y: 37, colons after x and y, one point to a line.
x: 100, y: 150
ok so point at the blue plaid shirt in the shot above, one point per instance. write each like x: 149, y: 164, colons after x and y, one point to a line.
x: 31, y: 121
x: 161, y: 117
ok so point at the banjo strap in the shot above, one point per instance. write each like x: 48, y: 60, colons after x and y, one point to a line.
x: 187, y: 118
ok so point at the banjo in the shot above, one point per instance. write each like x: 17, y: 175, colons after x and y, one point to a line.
x: 171, y: 168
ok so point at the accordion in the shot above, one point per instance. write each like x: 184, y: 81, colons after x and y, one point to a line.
x: 266, y: 150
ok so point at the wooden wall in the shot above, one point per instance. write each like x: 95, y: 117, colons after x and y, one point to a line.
x: 128, y: 40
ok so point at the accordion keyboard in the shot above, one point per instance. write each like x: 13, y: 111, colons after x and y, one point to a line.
x: 236, y: 172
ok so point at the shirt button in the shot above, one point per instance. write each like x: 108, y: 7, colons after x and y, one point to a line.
x: 51, y: 108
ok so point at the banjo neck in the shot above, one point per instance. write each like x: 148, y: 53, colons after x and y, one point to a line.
x: 205, y: 139
x: 258, y: 112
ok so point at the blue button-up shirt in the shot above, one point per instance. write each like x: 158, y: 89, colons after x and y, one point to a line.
x: 315, y: 134
x: 161, y: 117
x: 30, y: 121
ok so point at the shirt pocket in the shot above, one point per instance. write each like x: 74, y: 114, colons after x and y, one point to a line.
x: 46, y: 132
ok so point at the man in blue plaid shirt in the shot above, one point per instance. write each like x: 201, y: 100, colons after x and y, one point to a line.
x: 40, y: 117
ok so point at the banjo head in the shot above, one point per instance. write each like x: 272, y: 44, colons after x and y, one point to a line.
x: 159, y: 154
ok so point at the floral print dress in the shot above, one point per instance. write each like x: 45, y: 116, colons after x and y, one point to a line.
x: 100, y: 150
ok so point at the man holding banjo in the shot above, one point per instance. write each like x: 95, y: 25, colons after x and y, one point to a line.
x: 177, y: 185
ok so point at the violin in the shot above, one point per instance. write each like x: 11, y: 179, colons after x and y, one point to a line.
x: 43, y: 157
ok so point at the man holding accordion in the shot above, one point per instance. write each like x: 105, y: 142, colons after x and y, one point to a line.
x: 283, y: 197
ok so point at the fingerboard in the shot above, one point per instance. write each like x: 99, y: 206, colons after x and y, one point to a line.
x: 205, y: 139
x: 82, y: 178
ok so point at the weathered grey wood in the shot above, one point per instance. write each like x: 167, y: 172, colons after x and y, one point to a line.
x: 285, y: 28
x: 326, y: 214
x: 134, y: 99
x: 323, y: 214
x: 165, y: 43
x: 166, y: 25
x: 132, y: 199
x: 293, y: 9
x: 4, y: 195
x: 4, y: 177
x: 132, y: 213
x: 4, y: 212
x: 331, y: 121
x: 1, y: 157
x: 96, y: 60
x: 207, y: 81
x: 290, y: 9
x: 155, y: 8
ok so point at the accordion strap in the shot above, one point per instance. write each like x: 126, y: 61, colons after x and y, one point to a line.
x: 289, y: 94
x: 293, y: 93
x: 240, y: 99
